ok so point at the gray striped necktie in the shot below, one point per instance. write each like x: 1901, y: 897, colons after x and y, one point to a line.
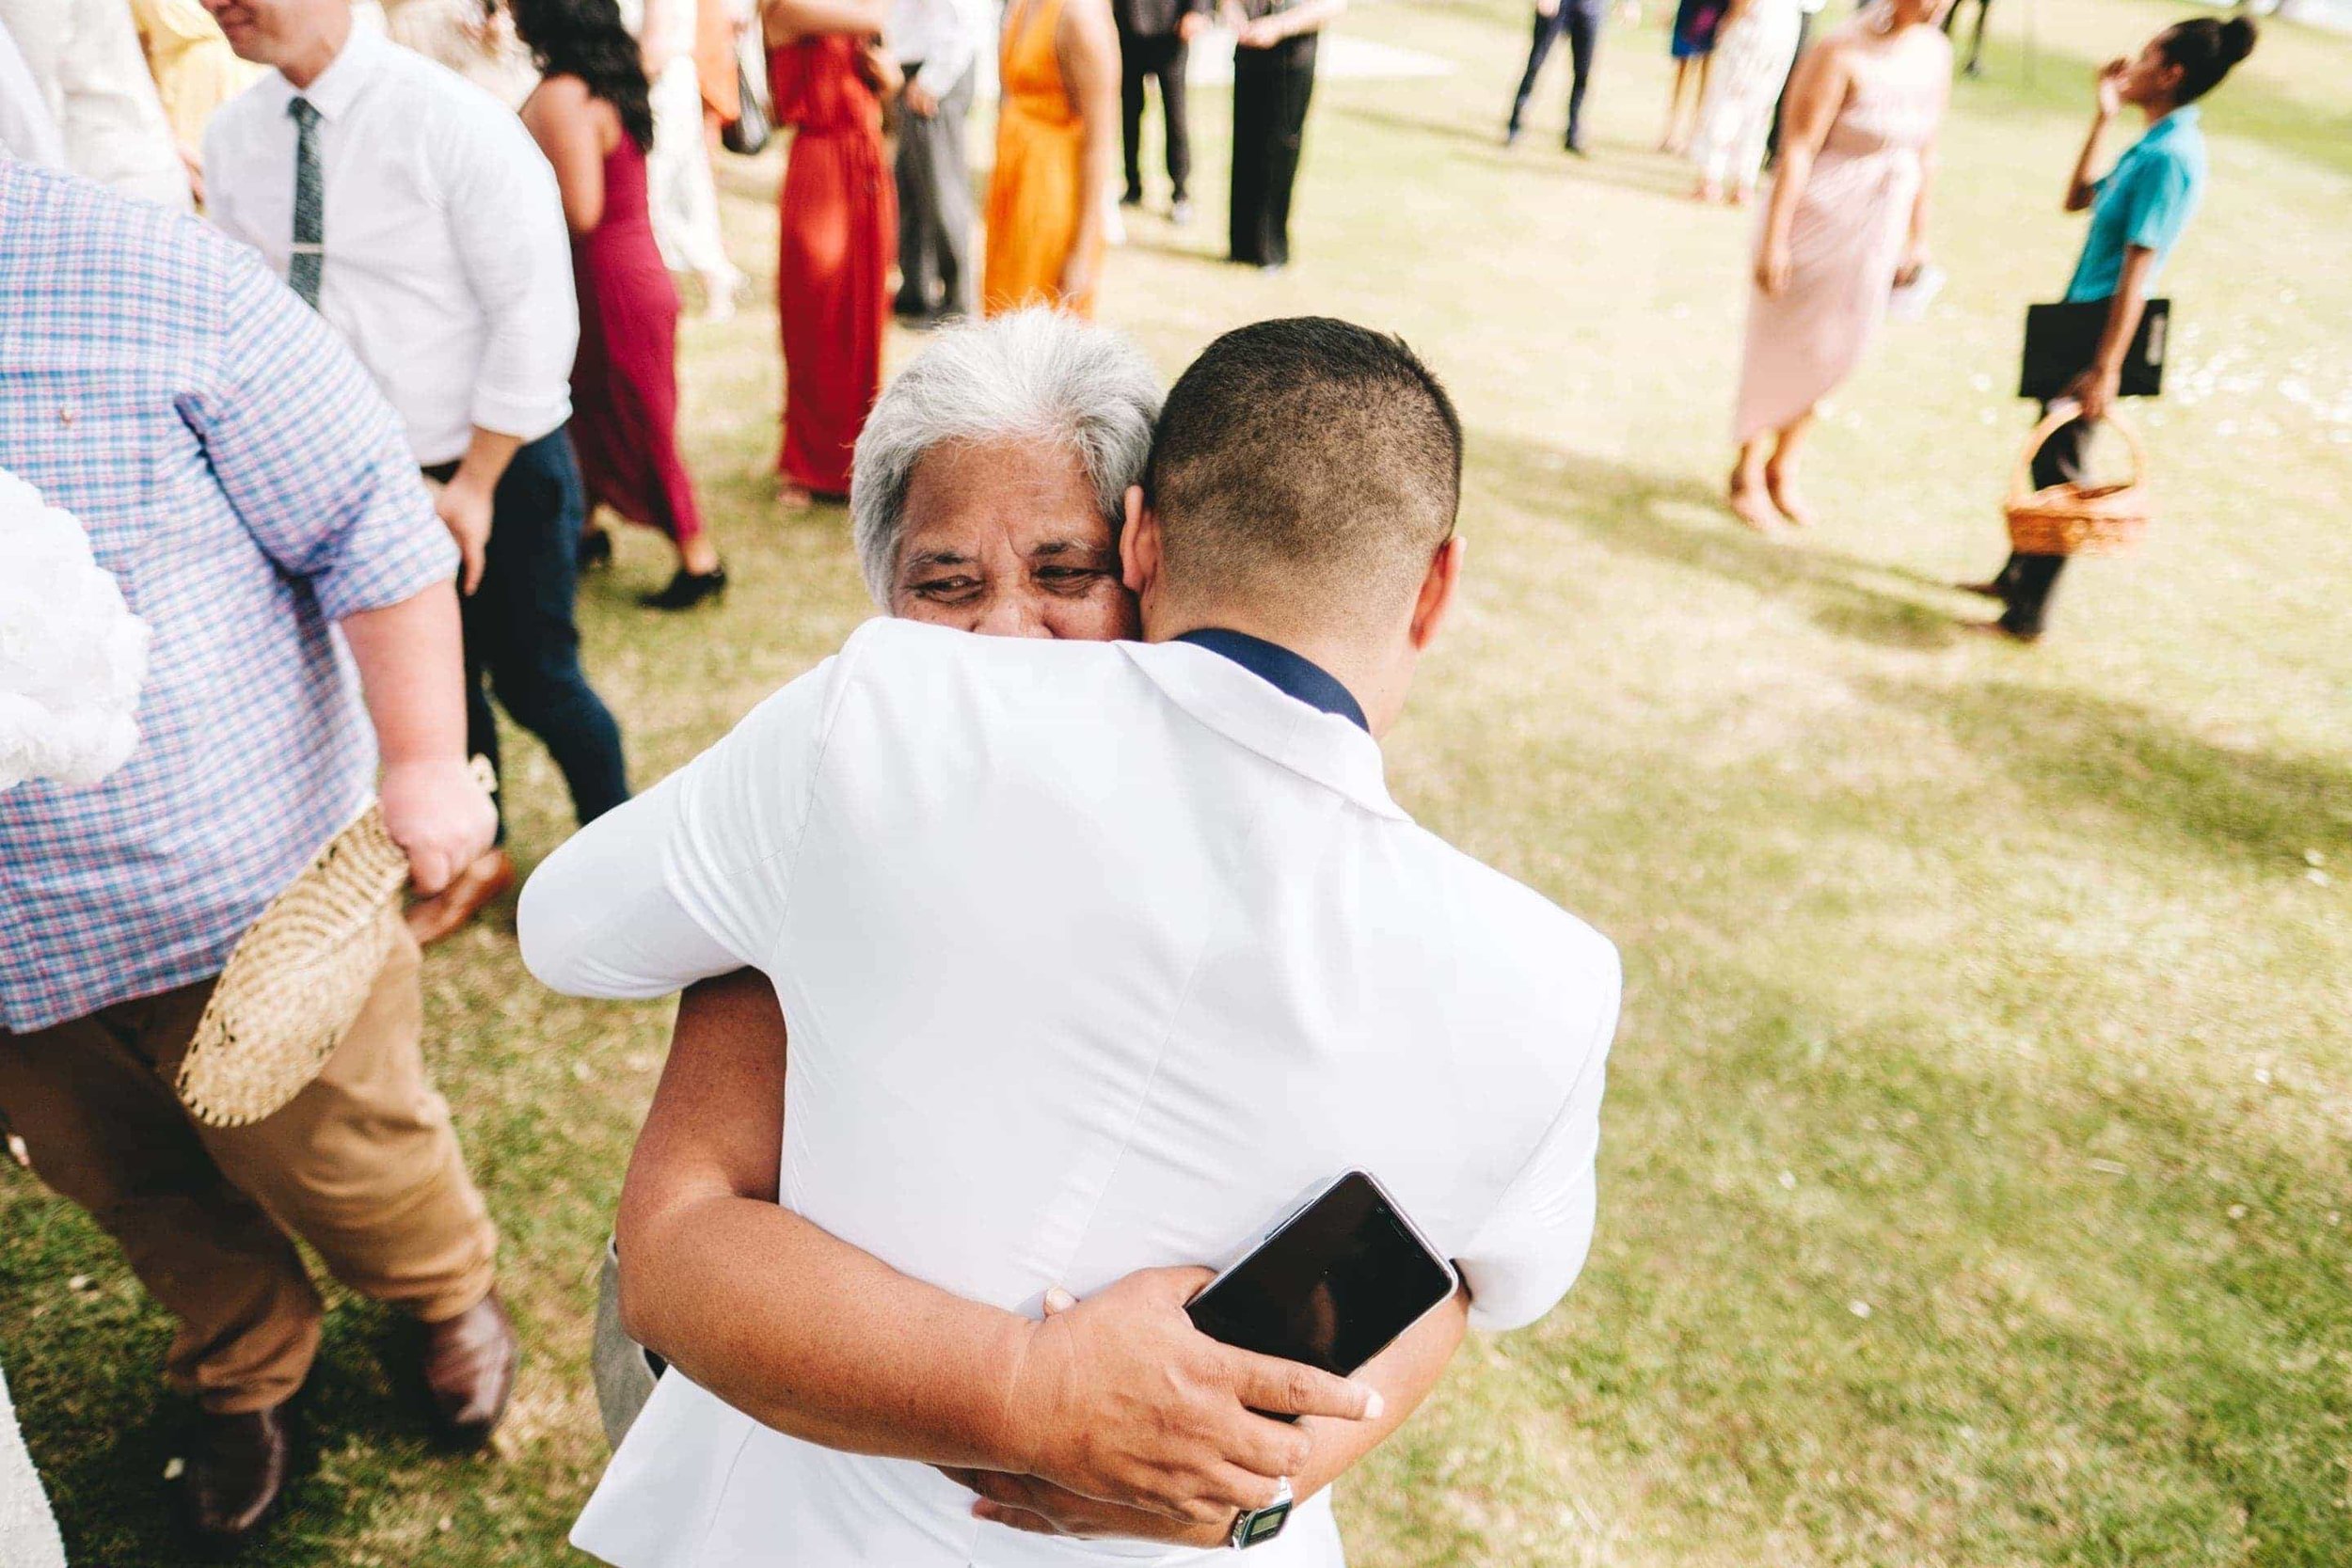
x: 310, y: 208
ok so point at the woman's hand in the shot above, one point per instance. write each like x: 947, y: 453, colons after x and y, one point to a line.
x: 2093, y: 390
x: 1915, y: 263
x: 2110, y: 87
x: 1264, y: 33
x: 1077, y: 274
x: 880, y: 69
x: 1773, y: 267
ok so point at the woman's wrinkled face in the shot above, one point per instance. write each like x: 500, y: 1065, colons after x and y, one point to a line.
x: 1003, y: 537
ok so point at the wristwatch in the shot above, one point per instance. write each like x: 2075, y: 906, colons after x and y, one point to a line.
x: 1260, y: 1525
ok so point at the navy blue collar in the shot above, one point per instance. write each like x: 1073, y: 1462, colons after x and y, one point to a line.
x: 1302, y: 678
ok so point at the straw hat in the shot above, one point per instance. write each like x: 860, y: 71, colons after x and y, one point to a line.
x: 296, y: 981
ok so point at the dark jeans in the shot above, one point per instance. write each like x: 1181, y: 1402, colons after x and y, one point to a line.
x: 2028, y: 581
x: 1162, y: 56
x: 1805, y: 36
x: 1271, y: 87
x: 1581, y: 21
x: 520, y: 639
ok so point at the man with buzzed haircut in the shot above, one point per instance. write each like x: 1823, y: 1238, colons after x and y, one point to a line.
x: 1095, y: 957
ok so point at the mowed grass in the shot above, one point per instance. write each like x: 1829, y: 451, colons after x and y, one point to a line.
x: 1974, y: 1180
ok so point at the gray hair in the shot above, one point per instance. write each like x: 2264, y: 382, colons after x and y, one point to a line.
x: 1036, y: 375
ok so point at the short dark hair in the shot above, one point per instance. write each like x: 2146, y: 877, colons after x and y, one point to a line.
x: 2205, y: 48
x: 1305, y: 456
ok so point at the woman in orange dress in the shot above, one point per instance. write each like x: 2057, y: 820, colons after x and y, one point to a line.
x: 1057, y: 136
x: 839, y: 230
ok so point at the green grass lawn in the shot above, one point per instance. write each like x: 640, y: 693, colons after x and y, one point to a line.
x: 1974, y: 1177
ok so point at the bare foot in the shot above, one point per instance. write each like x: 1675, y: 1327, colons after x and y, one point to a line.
x: 1749, y: 504
x: 1708, y: 192
x: 1785, y: 497
x: 793, y: 497
x: 1741, y: 196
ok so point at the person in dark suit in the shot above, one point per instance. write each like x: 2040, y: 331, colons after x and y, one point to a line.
x: 1274, y: 76
x: 1155, y: 39
x: 1581, y: 21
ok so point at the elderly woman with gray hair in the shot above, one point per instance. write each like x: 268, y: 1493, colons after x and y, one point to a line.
x: 988, y: 491
x: 992, y: 475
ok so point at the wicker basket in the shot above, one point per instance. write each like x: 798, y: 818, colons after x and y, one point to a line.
x: 298, y: 977
x: 2068, y: 518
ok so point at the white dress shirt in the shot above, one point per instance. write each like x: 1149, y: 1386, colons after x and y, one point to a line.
x: 28, y: 131
x: 448, y: 266
x: 84, y: 59
x: 1095, y: 957
x: 943, y: 36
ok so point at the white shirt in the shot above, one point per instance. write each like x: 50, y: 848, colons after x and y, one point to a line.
x: 943, y: 35
x: 448, y: 266
x: 1095, y: 957
x: 85, y: 60
x: 28, y: 132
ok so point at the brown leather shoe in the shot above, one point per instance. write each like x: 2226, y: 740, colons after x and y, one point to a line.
x: 236, y: 1469
x: 431, y: 919
x: 469, y: 1370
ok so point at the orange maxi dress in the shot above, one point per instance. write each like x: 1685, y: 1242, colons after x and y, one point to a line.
x: 1034, y: 196
x: 839, y: 227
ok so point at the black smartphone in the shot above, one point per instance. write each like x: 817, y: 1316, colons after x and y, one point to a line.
x: 1330, y: 1286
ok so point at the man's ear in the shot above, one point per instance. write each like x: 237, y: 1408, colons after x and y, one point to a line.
x: 1437, y: 591
x: 1139, y: 545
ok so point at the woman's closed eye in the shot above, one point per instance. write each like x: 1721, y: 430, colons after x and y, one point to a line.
x: 953, y: 588
x: 1071, y: 580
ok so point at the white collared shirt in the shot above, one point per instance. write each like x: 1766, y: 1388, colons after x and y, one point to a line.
x: 943, y: 36
x: 1094, y: 957
x: 448, y: 266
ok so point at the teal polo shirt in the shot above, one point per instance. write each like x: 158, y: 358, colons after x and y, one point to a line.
x: 2145, y: 200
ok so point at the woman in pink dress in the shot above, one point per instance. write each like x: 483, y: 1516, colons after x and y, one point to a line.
x: 591, y: 113
x: 1847, y: 220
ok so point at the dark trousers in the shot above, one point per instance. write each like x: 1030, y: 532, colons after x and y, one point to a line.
x: 1805, y: 36
x: 1271, y: 87
x: 1580, y: 20
x: 521, y: 643
x: 2028, y: 581
x: 1161, y: 57
x: 936, y: 213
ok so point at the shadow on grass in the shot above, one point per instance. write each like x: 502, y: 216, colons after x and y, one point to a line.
x: 1620, y: 164
x: 2080, y: 751
x: 1676, y: 519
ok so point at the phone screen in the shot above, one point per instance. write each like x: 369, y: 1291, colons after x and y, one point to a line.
x: 1331, y: 1288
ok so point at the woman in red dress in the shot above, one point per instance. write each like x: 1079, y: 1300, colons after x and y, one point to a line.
x: 839, y: 225
x: 592, y: 116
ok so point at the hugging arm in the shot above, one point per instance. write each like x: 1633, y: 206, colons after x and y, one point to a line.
x: 1403, y: 1374
x: 1120, y: 1400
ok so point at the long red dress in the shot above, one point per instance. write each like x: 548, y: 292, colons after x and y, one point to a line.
x: 625, y: 377
x: 839, y: 223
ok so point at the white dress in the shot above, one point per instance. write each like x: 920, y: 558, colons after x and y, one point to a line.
x: 1753, y: 55
x: 85, y: 60
x: 680, y: 194
x: 29, y: 1533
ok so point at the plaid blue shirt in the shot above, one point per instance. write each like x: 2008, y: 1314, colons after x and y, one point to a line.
x: 248, y: 486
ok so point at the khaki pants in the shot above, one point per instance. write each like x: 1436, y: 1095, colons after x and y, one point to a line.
x: 362, y: 1164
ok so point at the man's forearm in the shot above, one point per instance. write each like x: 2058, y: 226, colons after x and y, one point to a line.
x: 412, y: 673
x: 487, y: 457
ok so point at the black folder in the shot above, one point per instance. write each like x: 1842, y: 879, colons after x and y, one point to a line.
x: 2061, y: 341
